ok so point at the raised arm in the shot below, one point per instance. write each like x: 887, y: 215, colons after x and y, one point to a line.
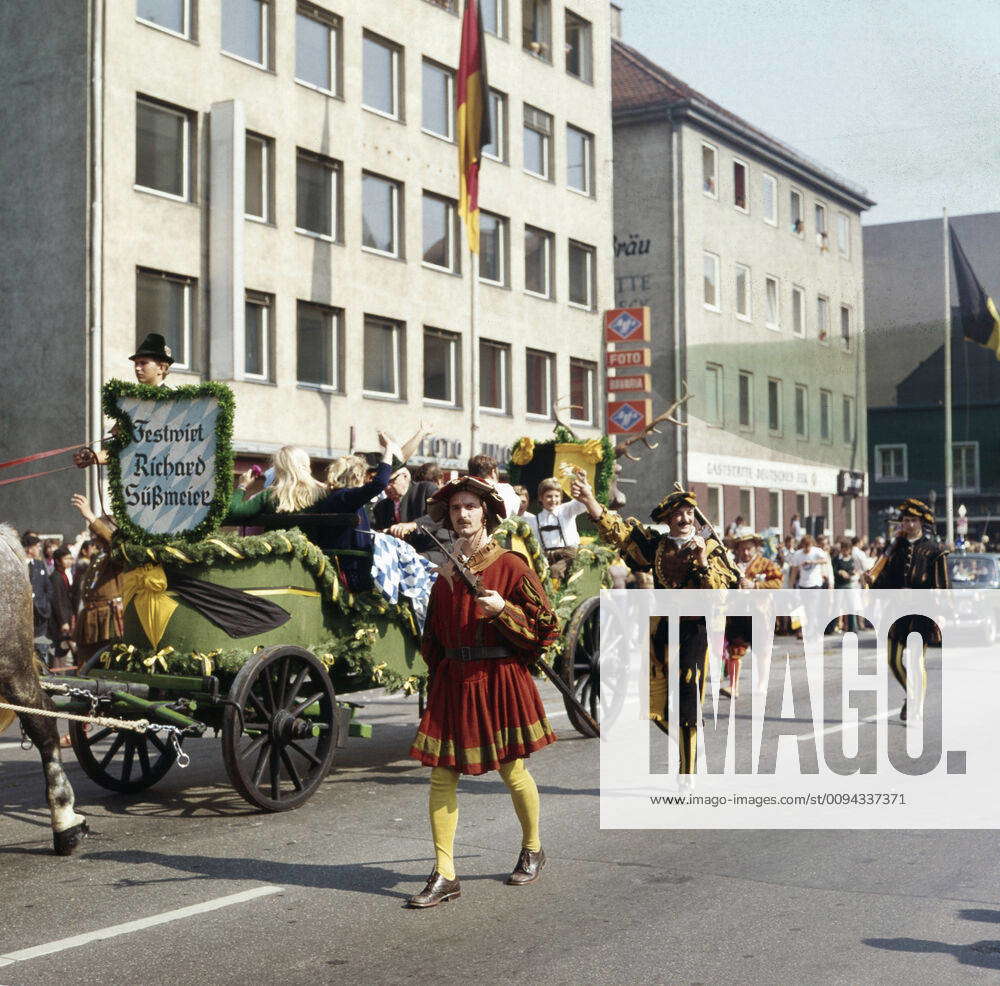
x: 636, y: 543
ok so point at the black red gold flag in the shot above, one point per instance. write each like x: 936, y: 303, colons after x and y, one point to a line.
x: 976, y: 310
x: 473, y: 119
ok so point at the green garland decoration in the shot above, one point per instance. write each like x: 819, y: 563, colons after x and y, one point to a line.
x: 513, y: 527
x: 112, y: 391
x: 604, y: 474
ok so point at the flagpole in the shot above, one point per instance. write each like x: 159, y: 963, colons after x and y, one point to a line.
x: 949, y: 480
x: 473, y: 354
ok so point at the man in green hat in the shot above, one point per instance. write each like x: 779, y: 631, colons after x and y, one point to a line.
x: 912, y: 561
x: 152, y: 361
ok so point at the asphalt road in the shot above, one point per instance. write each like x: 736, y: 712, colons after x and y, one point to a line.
x: 323, y: 886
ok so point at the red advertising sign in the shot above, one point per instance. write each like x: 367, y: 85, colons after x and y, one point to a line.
x: 626, y: 325
x: 641, y: 381
x: 628, y: 416
x: 627, y: 358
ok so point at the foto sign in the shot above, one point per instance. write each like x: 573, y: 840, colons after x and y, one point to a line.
x: 625, y: 417
x: 626, y: 325
x: 626, y: 359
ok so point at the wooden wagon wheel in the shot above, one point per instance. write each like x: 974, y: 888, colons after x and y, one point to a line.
x: 580, y: 663
x: 120, y: 759
x: 275, y: 754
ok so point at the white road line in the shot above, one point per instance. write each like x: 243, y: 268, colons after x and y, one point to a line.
x: 124, y: 929
x: 849, y: 725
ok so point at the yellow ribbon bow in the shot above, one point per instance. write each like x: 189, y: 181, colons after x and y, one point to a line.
x: 146, y: 588
x: 160, y: 656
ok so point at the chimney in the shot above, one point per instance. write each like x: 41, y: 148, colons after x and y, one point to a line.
x: 616, y: 21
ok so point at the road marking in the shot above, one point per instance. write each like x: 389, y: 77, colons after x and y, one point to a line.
x: 850, y: 725
x: 124, y: 929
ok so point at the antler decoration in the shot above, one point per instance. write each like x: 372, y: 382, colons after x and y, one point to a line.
x: 561, y: 404
x: 622, y: 448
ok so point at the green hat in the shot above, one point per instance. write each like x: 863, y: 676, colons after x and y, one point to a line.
x: 912, y: 507
x: 672, y: 502
x: 155, y: 347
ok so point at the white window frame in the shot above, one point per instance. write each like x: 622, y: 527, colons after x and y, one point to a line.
x: 451, y: 222
x: 774, y: 325
x: 591, y: 255
x: 500, y: 126
x: 546, y: 143
x: 395, y: 71
x: 747, y: 315
x: 844, y: 234
x: 550, y: 384
x: 334, y: 26
x: 449, y: 74
x: 587, y: 61
x: 720, y: 520
x: 334, y: 323
x: 186, y: 153
x: 851, y: 516
x: 776, y: 430
x: 588, y: 162
x: 184, y: 34
x: 748, y: 425
x: 265, y: 40
x: 539, y: 46
x: 503, y: 225
x: 847, y: 417
x: 823, y: 324
x: 397, y: 218
x: 799, y: 331
x: 501, y: 32
x: 826, y: 505
x: 781, y: 508
x: 549, y: 240
x: 745, y: 208
x: 188, y: 283
x: 800, y: 223
x: 589, y: 368
x: 826, y: 401
x: 503, y: 348
x: 822, y: 228
x: 765, y: 181
x: 801, y: 388
x: 802, y: 508
x: 707, y: 255
x: 846, y: 341
x: 713, y: 192
x: 882, y: 477
x: 750, y: 516
x: 397, y: 359
x: 453, y: 341
x: 715, y: 369
x: 265, y: 302
x: 334, y: 171
x: 267, y: 164
x: 961, y: 446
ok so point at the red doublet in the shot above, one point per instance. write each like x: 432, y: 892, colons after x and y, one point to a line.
x: 481, y: 714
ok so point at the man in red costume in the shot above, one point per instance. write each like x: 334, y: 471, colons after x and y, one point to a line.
x: 483, y: 710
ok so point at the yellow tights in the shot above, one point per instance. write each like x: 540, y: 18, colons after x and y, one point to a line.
x: 444, y: 810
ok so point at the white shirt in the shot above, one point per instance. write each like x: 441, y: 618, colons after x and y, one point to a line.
x: 811, y: 565
x: 564, y: 516
x: 510, y: 498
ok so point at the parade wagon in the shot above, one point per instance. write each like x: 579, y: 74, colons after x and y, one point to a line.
x: 255, y: 637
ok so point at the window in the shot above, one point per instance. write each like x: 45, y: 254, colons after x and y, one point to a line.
x: 823, y: 319
x: 579, y: 160
x: 713, y: 394
x: 774, y: 510
x: 317, y: 195
x: 163, y: 149
x: 798, y: 312
x: 713, y: 507
x: 847, y: 417
x: 492, y: 249
x: 450, y: 5
x: 494, y: 376
x: 825, y: 414
x: 441, y: 367
x: 539, y: 373
x: 850, y: 515
x: 773, y: 308
x: 382, y: 74
x: 746, y: 400
x: 164, y: 303
x: 497, y: 147
x: 820, y: 216
x: 709, y: 172
x: 890, y: 463
x: 711, y: 282
x: 740, y: 186
x: 318, y: 344
x: 801, y: 411
x: 826, y: 505
x: 537, y: 262
x: 259, y: 177
x: 537, y: 142
x: 744, y: 310
x: 170, y: 15
x: 845, y: 327
x: 536, y: 28
x: 317, y: 48
x: 381, y: 215
x: 774, y: 406
x: 441, y: 233
x: 492, y: 13
x: 257, y: 335
x: 582, y: 390
x: 747, y: 507
x: 383, y: 358
x: 802, y: 506
x: 245, y: 30
x: 769, y: 194
x: 579, y: 48
x: 795, y: 218
x: 965, y: 466
x: 581, y: 275
x: 843, y: 234
x: 438, y: 100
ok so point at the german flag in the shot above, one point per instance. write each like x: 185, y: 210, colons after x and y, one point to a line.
x: 976, y: 309
x: 473, y: 118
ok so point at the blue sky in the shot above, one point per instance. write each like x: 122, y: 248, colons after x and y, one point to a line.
x: 901, y: 98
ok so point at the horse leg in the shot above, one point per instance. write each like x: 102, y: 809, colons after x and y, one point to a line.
x: 69, y: 829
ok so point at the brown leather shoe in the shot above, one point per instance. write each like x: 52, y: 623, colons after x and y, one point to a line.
x: 437, y: 891
x: 529, y: 866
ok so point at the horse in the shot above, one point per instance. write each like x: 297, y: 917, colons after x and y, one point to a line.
x: 20, y: 685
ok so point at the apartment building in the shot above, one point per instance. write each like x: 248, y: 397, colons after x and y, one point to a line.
x: 750, y: 258
x: 272, y: 185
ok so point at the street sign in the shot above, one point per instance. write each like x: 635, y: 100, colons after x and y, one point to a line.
x: 640, y: 381
x: 628, y: 416
x: 627, y: 359
x: 626, y: 325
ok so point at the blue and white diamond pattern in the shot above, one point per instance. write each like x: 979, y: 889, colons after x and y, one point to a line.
x: 625, y: 326
x: 625, y: 417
